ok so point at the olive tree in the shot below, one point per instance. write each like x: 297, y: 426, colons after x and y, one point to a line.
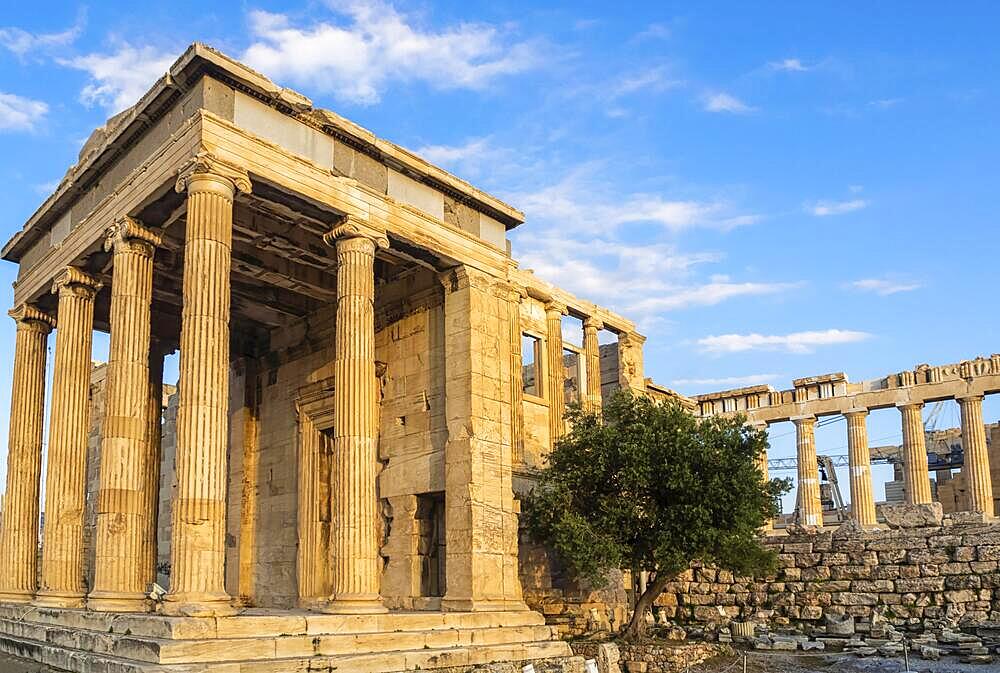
x: 646, y: 485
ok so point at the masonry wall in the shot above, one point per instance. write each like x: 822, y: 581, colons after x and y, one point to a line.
x: 914, y: 577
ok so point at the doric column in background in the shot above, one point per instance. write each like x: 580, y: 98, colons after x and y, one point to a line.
x: 354, y: 543
x: 916, y: 478
x: 122, y: 506
x: 977, y: 460
x: 66, y: 473
x: 19, y: 535
x: 198, y: 545
x: 592, y: 360
x: 556, y: 374
x: 859, y: 459
x: 810, y: 507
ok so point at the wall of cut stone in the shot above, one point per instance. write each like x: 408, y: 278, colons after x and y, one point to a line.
x: 917, y: 577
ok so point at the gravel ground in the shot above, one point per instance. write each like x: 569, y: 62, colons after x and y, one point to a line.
x: 758, y: 662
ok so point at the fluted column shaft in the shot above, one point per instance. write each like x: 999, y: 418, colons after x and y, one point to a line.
x: 65, y: 480
x: 154, y: 438
x: 810, y: 507
x: 354, y: 544
x: 592, y: 358
x: 198, y: 545
x: 19, y: 534
x: 859, y: 459
x: 916, y: 478
x: 516, y: 377
x: 977, y: 459
x: 120, y: 576
x: 556, y: 374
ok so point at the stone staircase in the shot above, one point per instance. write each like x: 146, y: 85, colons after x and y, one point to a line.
x: 270, y: 642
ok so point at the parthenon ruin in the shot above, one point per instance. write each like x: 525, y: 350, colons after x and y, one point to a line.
x: 814, y: 397
x: 352, y: 403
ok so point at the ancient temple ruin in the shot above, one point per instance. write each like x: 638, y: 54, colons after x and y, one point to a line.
x: 828, y: 395
x: 354, y: 412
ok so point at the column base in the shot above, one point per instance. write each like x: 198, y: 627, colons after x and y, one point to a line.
x: 118, y: 601
x: 474, y: 605
x: 198, y: 605
x: 13, y: 596
x: 354, y: 604
x: 59, y: 599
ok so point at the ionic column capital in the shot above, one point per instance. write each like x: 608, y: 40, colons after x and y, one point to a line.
x: 351, y: 227
x: 518, y: 293
x: 30, y: 318
x: 72, y: 280
x: 556, y: 307
x: 128, y: 235
x: 212, y: 174
x: 590, y: 322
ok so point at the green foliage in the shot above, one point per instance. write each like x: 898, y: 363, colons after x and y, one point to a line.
x: 647, y: 485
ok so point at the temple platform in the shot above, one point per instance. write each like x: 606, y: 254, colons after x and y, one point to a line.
x: 271, y: 641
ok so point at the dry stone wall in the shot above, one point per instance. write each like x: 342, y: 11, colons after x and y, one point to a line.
x: 923, y: 577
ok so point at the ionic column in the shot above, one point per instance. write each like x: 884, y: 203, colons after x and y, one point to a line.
x: 354, y: 543
x: 859, y: 458
x: 198, y: 544
x: 154, y: 438
x: 916, y: 478
x: 810, y: 508
x: 977, y: 460
x: 761, y: 426
x: 592, y: 358
x: 556, y: 374
x: 122, y: 505
x: 516, y: 376
x: 19, y: 534
x: 66, y: 475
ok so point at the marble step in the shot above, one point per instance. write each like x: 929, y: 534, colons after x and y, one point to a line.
x: 78, y: 661
x: 264, y: 623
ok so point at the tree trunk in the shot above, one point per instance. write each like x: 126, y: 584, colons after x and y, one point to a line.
x: 635, y: 630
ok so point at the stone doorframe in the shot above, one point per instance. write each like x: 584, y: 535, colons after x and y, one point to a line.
x: 314, y: 409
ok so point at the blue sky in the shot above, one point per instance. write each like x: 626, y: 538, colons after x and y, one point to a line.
x: 771, y: 192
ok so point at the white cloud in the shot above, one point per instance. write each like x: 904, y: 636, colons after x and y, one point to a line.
x: 885, y: 103
x: 796, y: 342
x: 356, y: 60
x: 18, y: 113
x: 450, y: 155
x: 120, y: 78
x: 825, y: 208
x: 654, y: 31
x: 653, y: 80
x: 789, y: 65
x: 724, y: 102
x: 28, y: 45
x: 707, y: 294
x: 728, y: 381
x: 884, y: 287
x: 581, y: 199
